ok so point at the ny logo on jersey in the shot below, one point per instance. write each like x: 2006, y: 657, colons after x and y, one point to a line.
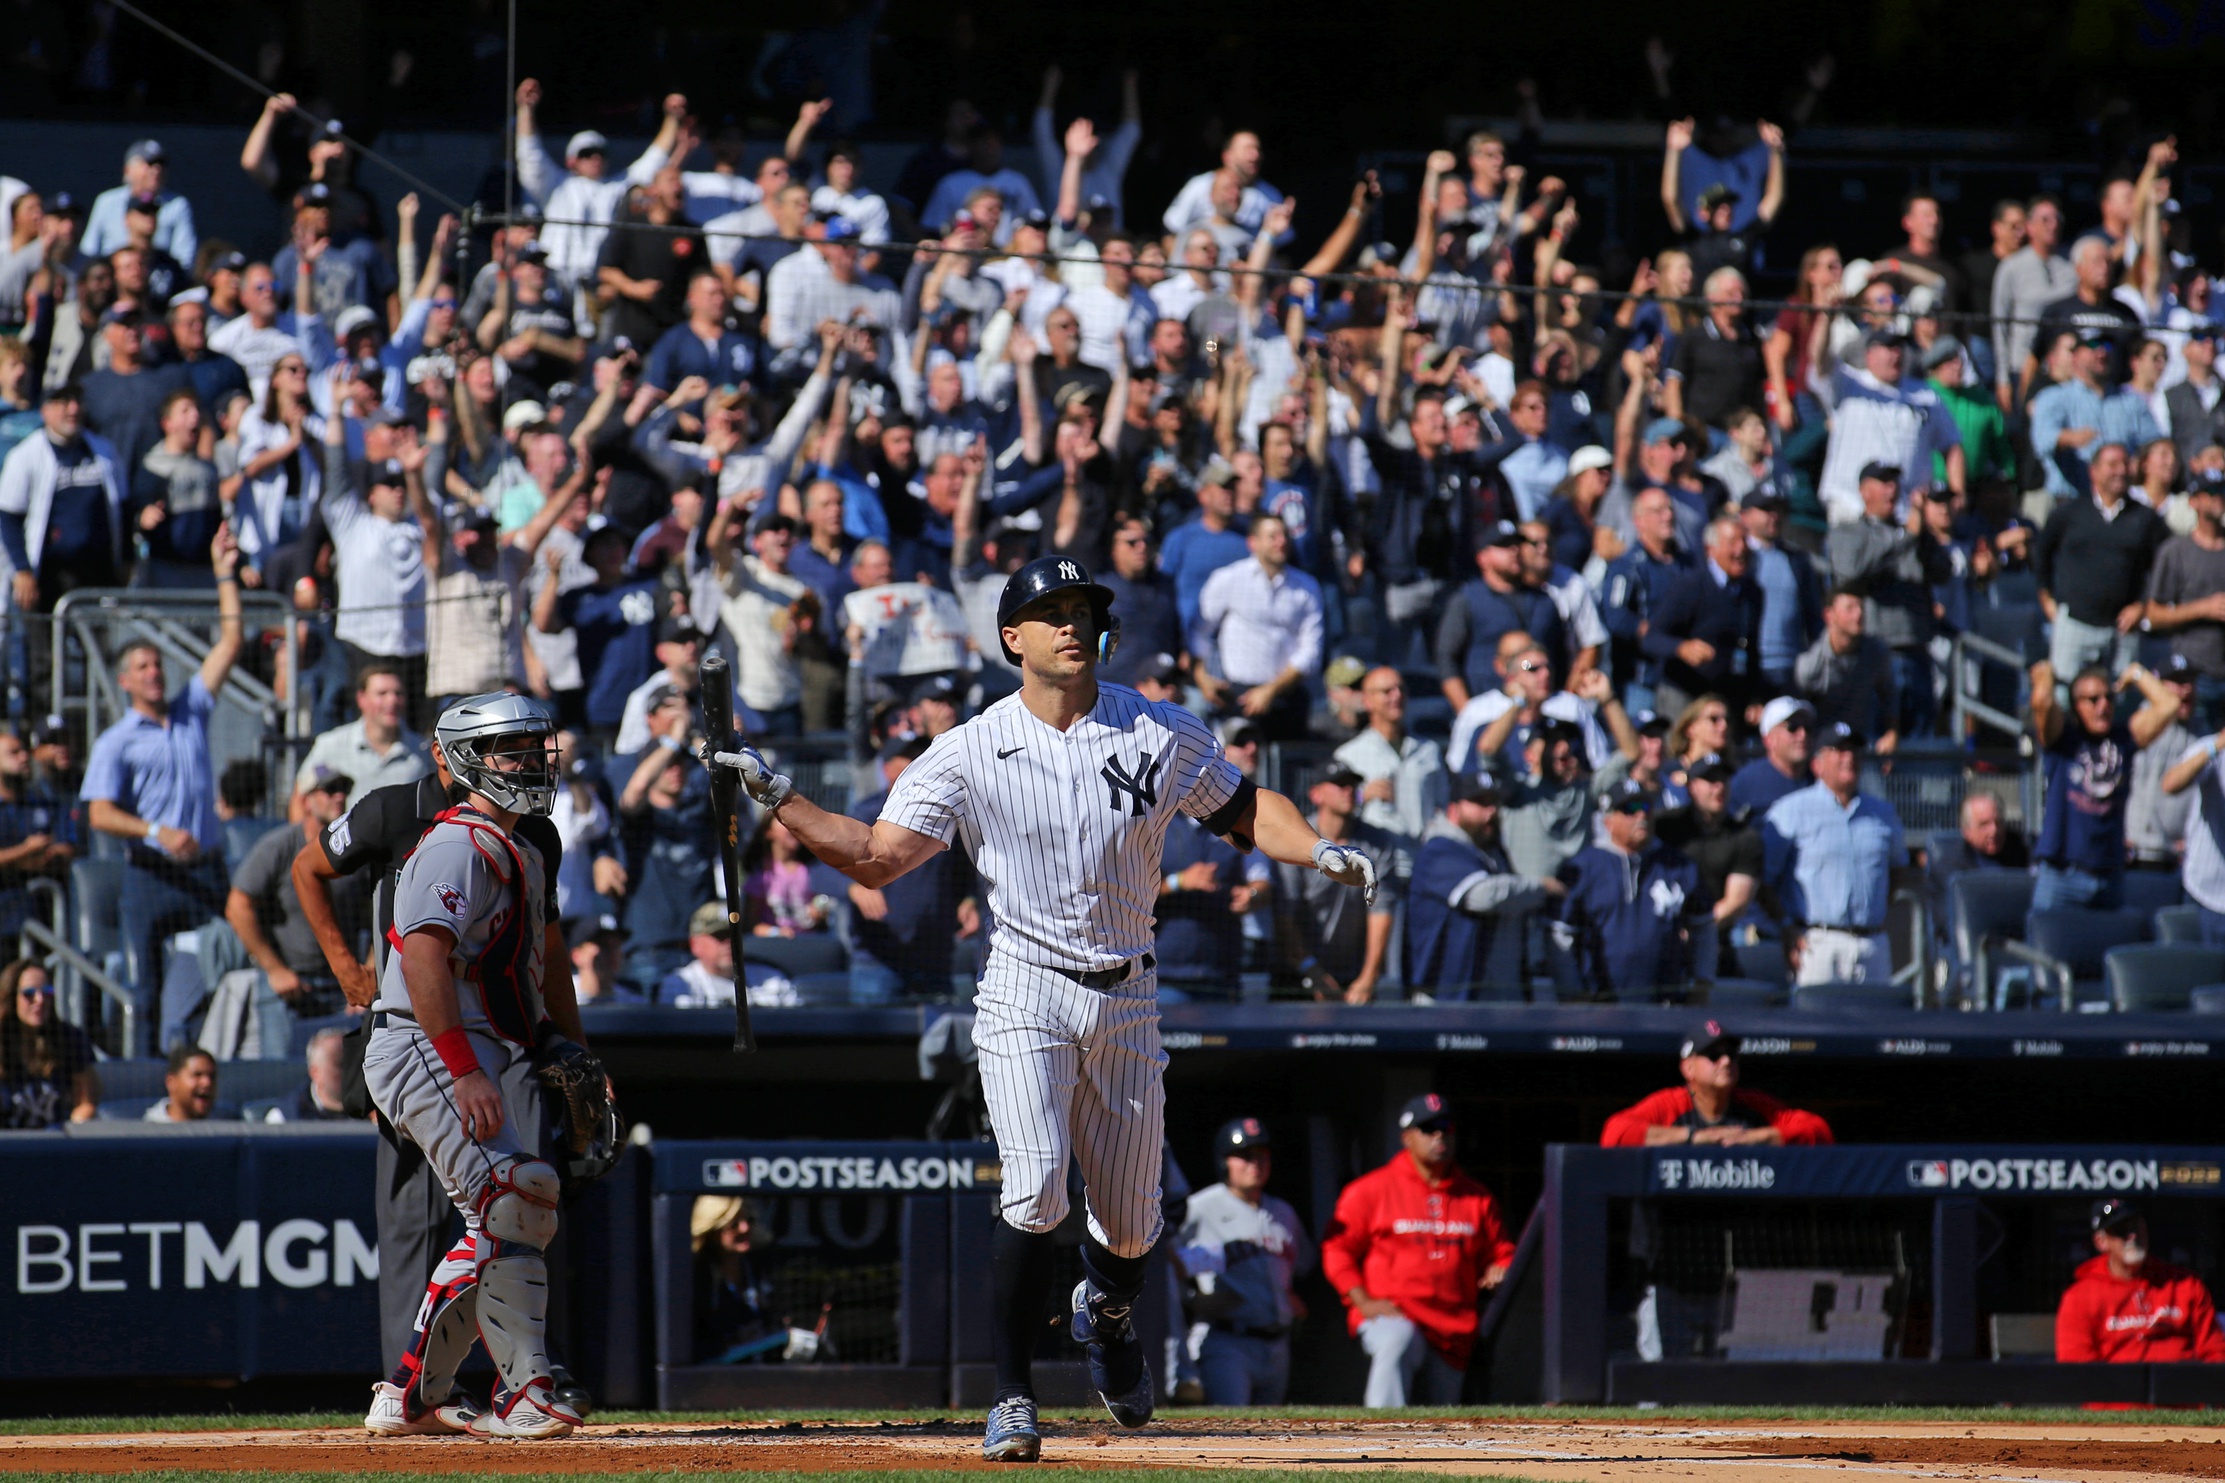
x: 1141, y: 786
x: 1668, y: 898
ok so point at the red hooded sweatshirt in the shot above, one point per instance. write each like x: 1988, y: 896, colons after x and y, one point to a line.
x: 1423, y: 1246
x: 1671, y: 1106
x: 2160, y: 1313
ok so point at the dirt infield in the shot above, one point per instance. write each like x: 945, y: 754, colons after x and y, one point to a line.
x: 1558, y: 1451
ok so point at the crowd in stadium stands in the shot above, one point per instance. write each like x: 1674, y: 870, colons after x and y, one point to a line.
x: 1604, y: 609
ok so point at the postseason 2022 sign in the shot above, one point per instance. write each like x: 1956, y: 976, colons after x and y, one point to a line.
x: 189, y: 1254
x: 1932, y: 1171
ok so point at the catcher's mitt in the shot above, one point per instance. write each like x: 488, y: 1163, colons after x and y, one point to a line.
x: 590, y: 1136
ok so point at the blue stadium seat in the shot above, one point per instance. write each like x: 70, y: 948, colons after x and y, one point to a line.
x: 2179, y: 924
x: 822, y: 988
x: 1763, y: 961
x: 1855, y: 998
x: 2152, y: 975
x: 96, y: 922
x: 817, y: 952
x: 2208, y: 999
x: 2149, y: 891
x: 1744, y: 993
x: 2082, y: 939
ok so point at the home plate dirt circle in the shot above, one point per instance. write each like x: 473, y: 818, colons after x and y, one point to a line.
x: 1557, y: 1451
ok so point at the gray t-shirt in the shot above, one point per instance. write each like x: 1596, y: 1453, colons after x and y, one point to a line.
x: 2155, y: 821
x: 2183, y: 572
x: 462, y: 883
x: 1254, y: 1251
x: 266, y: 877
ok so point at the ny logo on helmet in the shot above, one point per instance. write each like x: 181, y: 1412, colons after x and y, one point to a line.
x: 1141, y: 785
x: 1069, y: 571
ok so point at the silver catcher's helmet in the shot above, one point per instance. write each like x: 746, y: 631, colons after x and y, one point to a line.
x: 469, y: 733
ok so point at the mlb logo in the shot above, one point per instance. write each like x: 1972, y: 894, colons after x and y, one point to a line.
x: 726, y: 1173
x: 1928, y: 1173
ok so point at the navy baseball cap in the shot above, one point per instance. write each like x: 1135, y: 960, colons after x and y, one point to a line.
x: 1503, y: 533
x: 1480, y: 787
x: 1839, y: 734
x: 2092, y: 338
x: 2117, y: 1217
x: 1709, y: 1038
x: 1885, y: 473
x: 2178, y: 668
x: 1651, y: 723
x: 1629, y: 797
x: 386, y: 471
x: 1239, y: 1134
x: 1425, y: 1111
x: 934, y: 687
x: 1886, y: 334
x: 1714, y: 767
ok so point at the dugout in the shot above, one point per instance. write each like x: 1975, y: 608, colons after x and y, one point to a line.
x: 1896, y: 1274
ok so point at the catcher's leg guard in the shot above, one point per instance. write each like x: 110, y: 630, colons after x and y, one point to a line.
x: 447, y: 1322
x: 517, y: 1218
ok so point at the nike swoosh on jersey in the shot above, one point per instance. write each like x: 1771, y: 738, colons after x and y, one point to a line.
x: 1004, y: 752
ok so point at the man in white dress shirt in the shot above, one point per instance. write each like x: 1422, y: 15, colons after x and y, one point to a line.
x: 1258, y: 632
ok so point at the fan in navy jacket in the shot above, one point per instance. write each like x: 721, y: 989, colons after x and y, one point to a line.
x: 1631, y: 904
x: 1463, y: 891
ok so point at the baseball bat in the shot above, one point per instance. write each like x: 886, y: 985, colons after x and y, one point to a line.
x: 726, y: 814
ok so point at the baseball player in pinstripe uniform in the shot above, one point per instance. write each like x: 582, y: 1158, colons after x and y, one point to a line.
x: 1063, y: 794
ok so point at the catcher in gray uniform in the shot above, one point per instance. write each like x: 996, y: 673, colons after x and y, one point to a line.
x: 460, y: 1000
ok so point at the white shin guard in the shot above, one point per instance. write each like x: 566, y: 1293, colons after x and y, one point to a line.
x: 517, y: 1221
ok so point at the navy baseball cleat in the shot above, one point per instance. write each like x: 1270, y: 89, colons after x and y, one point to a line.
x: 1118, y: 1371
x: 1012, y: 1436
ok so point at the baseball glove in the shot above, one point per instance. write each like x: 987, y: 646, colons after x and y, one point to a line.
x: 590, y: 1136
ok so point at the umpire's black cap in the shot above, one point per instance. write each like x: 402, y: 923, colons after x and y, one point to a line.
x: 1040, y: 578
x: 1240, y: 1134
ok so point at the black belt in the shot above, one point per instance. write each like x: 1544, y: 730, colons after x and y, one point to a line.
x: 1106, y: 978
x: 380, y: 1017
x: 1850, y: 931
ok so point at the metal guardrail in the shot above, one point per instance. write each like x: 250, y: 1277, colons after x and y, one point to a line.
x: 2019, y: 951
x: 92, y: 973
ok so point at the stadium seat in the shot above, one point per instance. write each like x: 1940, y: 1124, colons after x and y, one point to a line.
x: 2208, y: 999
x: 1744, y: 993
x: 822, y: 988
x: 96, y: 891
x: 2152, y: 975
x: 796, y: 956
x: 2179, y: 924
x: 1763, y: 961
x: 2082, y: 940
x: 2022, y: 1335
x: 1859, y: 998
x: 1983, y: 904
x: 2149, y: 891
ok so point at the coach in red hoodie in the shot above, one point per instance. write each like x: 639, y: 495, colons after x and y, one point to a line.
x: 1710, y: 1107
x: 2125, y: 1307
x: 1411, y: 1245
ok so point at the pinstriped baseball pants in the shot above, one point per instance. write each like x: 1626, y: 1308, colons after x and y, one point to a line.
x: 1074, y: 1072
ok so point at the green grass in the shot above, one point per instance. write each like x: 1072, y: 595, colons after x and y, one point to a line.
x: 957, y: 1421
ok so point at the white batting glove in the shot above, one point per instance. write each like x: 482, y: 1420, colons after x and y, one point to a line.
x: 1346, y: 866
x: 764, y: 786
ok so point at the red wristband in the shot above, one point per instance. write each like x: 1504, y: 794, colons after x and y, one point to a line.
x: 456, y: 1052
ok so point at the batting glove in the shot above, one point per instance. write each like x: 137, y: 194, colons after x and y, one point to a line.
x: 764, y: 786
x: 1346, y: 866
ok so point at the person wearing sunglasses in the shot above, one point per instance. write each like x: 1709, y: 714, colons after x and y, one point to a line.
x: 46, y: 1063
x: 1711, y: 1107
x: 1782, y: 766
x: 1631, y: 909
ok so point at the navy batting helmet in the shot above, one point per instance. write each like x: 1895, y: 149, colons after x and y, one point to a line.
x: 1046, y: 575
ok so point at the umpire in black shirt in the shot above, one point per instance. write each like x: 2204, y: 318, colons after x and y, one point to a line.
x: 415, y: 1215
x: 1725, y: 846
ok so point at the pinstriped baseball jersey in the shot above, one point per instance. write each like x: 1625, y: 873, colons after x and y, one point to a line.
x: 1066, y: 828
